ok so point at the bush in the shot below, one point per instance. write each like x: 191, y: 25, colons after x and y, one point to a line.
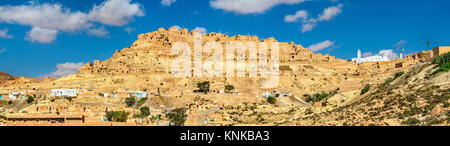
x: 117, y: 116
x: 411, y: 122
x: 229, y: 88
x: 443, y: 68
x: 399, y: 74
x: 10, y: 102
x: 442, y: 59
x: 321, y: 96
x: 141, y: 102
x: 30, y: 99
x: 130, y: 101
x: 387, y: 81
x: 177, y: 116
x: 365, y: 89
x: 316, y: 97
x: 443, y: 62
x: 271, y: 99
x: 203, y: 86
x: 145, y: 112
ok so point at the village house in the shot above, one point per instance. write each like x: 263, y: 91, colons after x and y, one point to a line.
x: 16, y: 96
x: 441, y: 50
x: 64, y: 92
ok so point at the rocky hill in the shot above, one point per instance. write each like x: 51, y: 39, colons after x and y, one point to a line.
x: 5, y: 77
x: 414, y: 98
x: 146, y: 65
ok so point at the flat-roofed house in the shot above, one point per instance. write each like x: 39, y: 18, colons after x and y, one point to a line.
x: 441, y: 50
x: 64, y: 92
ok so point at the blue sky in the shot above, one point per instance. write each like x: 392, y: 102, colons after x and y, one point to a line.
x: 53, y: 38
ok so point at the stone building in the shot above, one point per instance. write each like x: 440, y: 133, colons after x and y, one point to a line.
x: 441, y: 50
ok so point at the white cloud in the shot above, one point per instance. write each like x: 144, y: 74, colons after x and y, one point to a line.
x: 116, y: 12
x: 2, y: 50
x: 42, y: 35
x: 4, y: 34
x: 249, y: 6
x: 48, y: 19
x: 320, y: 46
x: 49, y: 16
x: 308, y: 27
x: 389, y: 54
x: 202, y: 30
x: 167, y: 2
x: 299, y: 14
x: 65, y: 69
x: 100, y: 32
x: 309, y: 24
x: 400, y: 43
x: 129, y: 29
x: 330, y: 12
x: 367, y: 54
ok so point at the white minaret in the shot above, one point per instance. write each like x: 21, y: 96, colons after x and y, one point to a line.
x: 359, y: 54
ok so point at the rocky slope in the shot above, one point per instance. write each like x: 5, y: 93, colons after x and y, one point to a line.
x: 5, y: 77
x: 415, y: 98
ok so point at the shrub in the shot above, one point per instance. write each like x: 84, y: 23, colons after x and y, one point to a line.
x: 117, y: 116
x: 203, y: 86
x: 321, y: 96
x: 387, y: 81
x: 399, y: 74
x: 145, y: 111
x: 141, y: 102
x: 443, y: 68
x: 411, y: 122
x: 271, y: 99
x: 309, y: 99
x: 443, y: 62
x: 442, y: 59
x: 130, y: 101
x: 365, y: 89
x: 10, y: 102
x: 229, y: 88
x: 177, y: 116
x: 316, y: 97
x: 30, y: 99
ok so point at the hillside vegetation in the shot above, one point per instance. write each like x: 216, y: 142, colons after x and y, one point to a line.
x: 416, y: 98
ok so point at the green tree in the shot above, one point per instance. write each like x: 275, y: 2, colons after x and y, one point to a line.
x: 130, y: 101
x: 229, y: 88
x: 117, y: 116
x: 30, y: 99
x: 365, y: 89
x: 145, y: 111
x: 271, y: 99
x: 203, y: 86
x: 177, y: 116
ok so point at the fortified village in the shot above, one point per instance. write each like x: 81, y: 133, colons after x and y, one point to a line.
x: 313, y: 89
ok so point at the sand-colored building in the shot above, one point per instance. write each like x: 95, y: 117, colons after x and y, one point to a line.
x: 441, y: 50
